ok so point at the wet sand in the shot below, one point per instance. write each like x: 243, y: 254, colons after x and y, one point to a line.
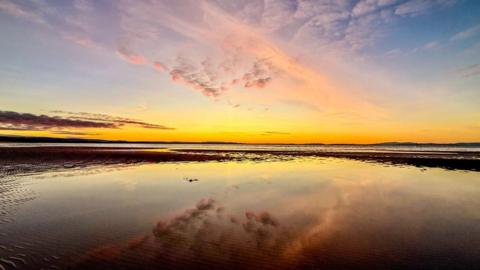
x: 12, y: 155
x: 248, y: 210
x: 446, y: 159
x: 23, y: 160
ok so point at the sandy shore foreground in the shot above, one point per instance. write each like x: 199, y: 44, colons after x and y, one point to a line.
x: 14, y: 155
x: 21, y: 160
x: 17, y: 160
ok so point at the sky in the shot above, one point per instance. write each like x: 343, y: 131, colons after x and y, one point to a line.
x: 251, y: 71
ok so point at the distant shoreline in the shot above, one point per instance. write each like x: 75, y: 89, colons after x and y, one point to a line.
x: 28, y: 139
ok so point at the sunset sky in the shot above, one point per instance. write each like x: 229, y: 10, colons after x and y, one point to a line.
x: 275, y: 71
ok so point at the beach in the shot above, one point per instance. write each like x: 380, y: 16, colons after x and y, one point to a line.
x: 86, y: 207
x: 240, y: 135
x: 19, y: 160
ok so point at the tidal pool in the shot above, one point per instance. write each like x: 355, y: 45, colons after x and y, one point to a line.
x: 302, y: 213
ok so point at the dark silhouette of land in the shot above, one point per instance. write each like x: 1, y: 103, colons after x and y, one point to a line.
x: 28, y: 139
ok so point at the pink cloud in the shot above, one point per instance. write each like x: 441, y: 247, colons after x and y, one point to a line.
x: 131, y: 57
x: 82, y: 41
x: 197, y: 77
x: 159, y: 66
x: 17, y: 10
x: 258, y: 83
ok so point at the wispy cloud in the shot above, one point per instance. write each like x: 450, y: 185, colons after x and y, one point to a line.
x: 467, y: 33
x: 431, y: 45
x: 223, y: 48
x: 260, y: 74
x: 159, y: 66
x: 80, y: 40
x: 417, y: 7
x: 393, y: 53
x: 27, y: 121
x: 114, y: 120
x: 200, y: 77
x: 364, y: 7
x: 468, y: 71
x: 24, y: 12
x: 213, y: 77
x: 131, y: 57
x: 275, y: 133
x: 334, y: 25
x: 10, y: 120
x: 77, y: 24
x: 302, y: 104
x: 75, y: 133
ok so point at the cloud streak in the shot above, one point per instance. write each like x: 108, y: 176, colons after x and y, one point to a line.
x: 27, y: 121
x: 276, y: 133
x: 468, y: 71
x: 131, y: 57
x: 10, y: 120
x: 23, y: 12
x: 75, y: 133
x: 114, y: 120
x: 467, y: 33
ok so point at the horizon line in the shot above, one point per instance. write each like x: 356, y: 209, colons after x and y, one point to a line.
x: 43, y: 139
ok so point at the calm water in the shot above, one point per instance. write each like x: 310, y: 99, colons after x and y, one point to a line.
x: 305, y: 213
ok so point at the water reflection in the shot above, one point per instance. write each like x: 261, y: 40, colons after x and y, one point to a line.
x: 298, y: 214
